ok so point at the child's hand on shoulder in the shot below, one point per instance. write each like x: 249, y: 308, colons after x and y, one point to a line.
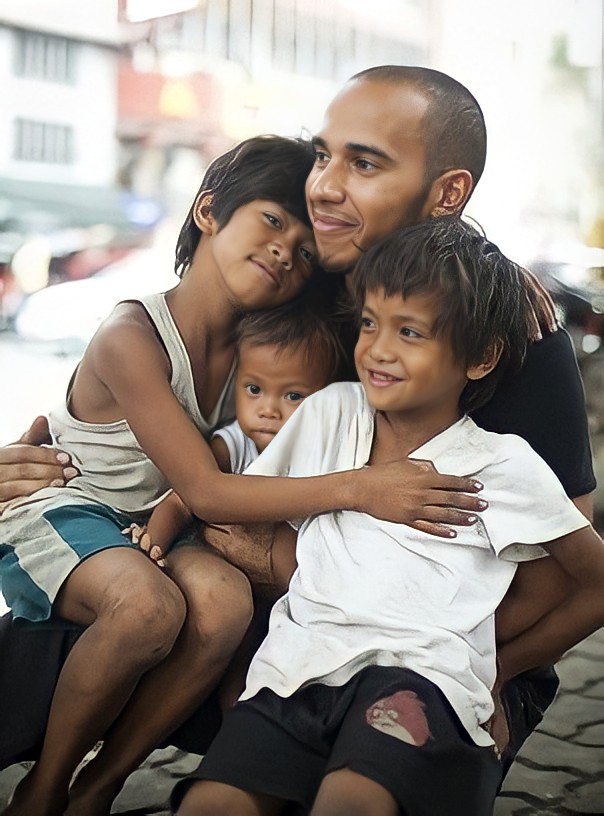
x: 140, y: 536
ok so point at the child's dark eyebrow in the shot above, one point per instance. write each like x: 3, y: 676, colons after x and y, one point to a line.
x: 354, y: 147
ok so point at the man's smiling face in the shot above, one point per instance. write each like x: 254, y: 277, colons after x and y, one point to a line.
x: 369, y: 174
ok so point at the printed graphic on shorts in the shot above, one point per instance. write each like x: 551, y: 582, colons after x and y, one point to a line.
x: 401, y: 716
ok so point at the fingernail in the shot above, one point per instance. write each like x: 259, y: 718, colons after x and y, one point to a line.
x: 471, y: 519
x: 57, y: 483
x: 452, y: 534
x: 482, y: 504
x: 478, y: 485
x: 62, y: 458
x: 70, y: 472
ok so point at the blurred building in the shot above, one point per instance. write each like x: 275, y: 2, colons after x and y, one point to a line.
x: 58, y: 149
x: 194, y: 81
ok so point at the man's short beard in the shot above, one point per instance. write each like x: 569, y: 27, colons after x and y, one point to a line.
x: 413, y: 215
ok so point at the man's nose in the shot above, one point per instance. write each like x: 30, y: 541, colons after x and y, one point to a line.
x: 328, y: 184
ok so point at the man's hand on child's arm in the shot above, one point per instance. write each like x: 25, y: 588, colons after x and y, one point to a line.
x: 25, y: 466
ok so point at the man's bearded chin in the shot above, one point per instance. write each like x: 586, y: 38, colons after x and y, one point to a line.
x: 332, y: 266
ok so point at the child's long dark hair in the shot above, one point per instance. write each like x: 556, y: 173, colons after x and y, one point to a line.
x: 487, y: 302
x: 274, y: 168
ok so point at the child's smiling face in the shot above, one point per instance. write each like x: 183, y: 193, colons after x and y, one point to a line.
x: 271, y: 383
x: 404, y: 366
x: 264, y: 254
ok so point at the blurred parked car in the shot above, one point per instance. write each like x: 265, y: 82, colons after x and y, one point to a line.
x: 577, y: 287
x: 68, y: 314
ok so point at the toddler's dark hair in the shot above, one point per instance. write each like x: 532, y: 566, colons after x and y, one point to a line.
x: 487, y: 302
x: 306, y: 323
x: 269, y: 167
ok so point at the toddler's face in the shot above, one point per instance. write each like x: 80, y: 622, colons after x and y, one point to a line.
x: 271, y: 383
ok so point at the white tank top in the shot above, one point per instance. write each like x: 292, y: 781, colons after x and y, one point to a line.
x: 115, y: 470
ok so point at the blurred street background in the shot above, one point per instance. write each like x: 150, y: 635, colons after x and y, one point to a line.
x: 112, y: 109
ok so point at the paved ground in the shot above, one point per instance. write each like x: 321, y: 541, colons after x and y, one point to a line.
x: 560, y: 771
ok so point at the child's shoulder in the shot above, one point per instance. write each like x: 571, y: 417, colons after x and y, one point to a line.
x: 511, y: 456
x: 347, y: 398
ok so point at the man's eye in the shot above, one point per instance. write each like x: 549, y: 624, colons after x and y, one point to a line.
x: 294, y: 396
x: 252, y: 389
x: 272, y: 219
x: 321, y: 156
x: 364, y: 164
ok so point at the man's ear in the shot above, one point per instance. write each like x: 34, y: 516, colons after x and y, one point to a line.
x: 481, y: 370
x: 449, y: 193
x: 202, y: 212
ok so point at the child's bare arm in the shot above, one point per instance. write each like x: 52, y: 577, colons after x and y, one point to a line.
x: 581, y: 556
x: 221, y: 453
x: 408, y: 491
x: 167, y: 521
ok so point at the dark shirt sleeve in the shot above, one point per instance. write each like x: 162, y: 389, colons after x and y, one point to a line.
x: 545, y: 404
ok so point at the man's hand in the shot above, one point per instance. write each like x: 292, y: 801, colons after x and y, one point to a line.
x: 413, y: 492
x: 247, y: 546
x: 497, y: 726
x: 26, y: 467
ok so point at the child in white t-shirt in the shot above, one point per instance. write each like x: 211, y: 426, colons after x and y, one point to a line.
x: 283, y: 356
x: 376, y: 687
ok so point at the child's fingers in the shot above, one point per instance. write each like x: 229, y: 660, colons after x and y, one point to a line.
x: 132, y: 532
x: 144, y: 541
x: 138, y: 534
x: 157, y: 555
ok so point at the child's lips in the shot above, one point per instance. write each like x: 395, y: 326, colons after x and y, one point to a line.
x: 261, y: 434
x: 268, y: 270
x: 381, y: 379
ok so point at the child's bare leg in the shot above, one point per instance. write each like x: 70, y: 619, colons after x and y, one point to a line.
x: 219, y: 605
x: 346, y: 793
x: 207, y: 798
x: 538, y: 587
x: 134, y: 614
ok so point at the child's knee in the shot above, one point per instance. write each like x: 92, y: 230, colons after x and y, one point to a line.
x: 346, y: 793
x: 221, y: 609
x: 206, y: 798
x: 148, y: 618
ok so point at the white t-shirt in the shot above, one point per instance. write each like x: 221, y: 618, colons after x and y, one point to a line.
x: 242, y: 451
x: 370, y: 592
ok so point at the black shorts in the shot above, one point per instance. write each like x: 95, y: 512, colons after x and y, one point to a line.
x: 388, y: 724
